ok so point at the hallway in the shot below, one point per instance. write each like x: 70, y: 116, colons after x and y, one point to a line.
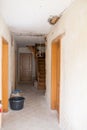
x: 36, y: 114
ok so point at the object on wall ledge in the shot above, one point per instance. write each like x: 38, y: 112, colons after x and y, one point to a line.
x: 40, y: 50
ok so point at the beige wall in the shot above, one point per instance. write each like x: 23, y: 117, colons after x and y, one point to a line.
x: 73, y: 66
x: 4, y: 32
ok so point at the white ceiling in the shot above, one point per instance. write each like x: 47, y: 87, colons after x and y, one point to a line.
x: 31, y: 16
x: 28, y: 19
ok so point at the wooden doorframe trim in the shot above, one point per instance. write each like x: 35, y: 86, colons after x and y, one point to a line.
x: 5, y: 61
x: 53, y: 69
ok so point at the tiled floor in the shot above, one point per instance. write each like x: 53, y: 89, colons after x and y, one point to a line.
x: 36, y: 114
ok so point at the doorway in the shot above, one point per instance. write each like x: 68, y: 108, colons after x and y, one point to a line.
x: 25, y: 67
x: 5, y: 75
x: 55, y: 75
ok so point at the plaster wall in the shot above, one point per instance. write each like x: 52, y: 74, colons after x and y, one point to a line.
x: 73, y: 84
x: 5, y: 33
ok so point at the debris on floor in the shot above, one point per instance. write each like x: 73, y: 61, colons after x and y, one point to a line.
x: 36, y: 114
x: 17, y: 93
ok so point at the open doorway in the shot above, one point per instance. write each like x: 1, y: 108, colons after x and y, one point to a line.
x: 55, y: 75
x: 5, y: 75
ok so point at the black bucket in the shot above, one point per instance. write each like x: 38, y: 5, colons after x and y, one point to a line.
x: 16, y: 103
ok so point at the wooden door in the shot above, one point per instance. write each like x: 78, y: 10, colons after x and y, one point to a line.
x: 55, y: 96
x: 5, y: 75
x: 25, y: 67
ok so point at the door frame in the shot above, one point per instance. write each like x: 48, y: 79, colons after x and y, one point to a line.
x: 54, y: 84
x: 5, y: 61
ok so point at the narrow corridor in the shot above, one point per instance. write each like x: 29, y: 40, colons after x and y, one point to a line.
x: 36, y: 114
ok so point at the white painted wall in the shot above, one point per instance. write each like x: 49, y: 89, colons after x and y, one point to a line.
x: 4, y: 32
x: 73, y: 66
